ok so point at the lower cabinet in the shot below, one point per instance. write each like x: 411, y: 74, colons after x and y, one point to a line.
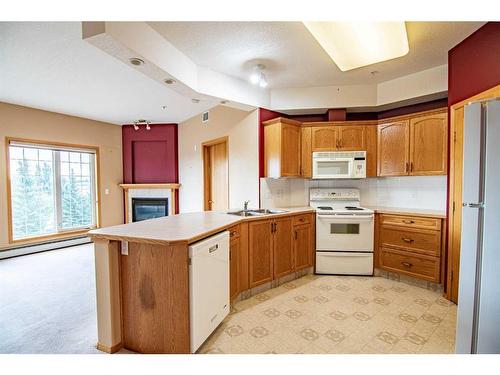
x: 234, y: 251
x: 303, y: 246
x: 276, y: 248
x: 411, y: 245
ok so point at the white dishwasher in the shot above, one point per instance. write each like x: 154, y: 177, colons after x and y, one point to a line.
x: 208, y: 286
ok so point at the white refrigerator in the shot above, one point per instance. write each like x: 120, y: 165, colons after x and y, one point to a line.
x: 478, y: 319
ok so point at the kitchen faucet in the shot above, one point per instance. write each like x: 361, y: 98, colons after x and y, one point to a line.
x: 245, y: 205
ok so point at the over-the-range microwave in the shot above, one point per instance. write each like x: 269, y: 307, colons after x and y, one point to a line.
x: 339, y: 164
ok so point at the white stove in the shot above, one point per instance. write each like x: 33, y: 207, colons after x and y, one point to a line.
x: 344, y: 232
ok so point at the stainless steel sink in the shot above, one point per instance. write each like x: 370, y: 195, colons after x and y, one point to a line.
x: 261, y: 212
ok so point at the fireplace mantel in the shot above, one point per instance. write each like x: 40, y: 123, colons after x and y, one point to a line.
x: 167, y: 190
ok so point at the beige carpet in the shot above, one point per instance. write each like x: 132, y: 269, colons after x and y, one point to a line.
x: 47, y: 302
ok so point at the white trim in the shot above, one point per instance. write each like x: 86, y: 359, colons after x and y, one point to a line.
x: 31, y: 249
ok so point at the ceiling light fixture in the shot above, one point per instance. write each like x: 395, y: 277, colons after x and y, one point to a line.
x: 258, y: 77
x: 136, y: 61
x: 142, y: 122
x: 355, y: 44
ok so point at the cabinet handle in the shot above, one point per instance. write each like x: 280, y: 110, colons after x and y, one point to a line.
x: 409, y: 240
x: 408, y: 222
x: 406, y: 264
x: 301, y: 219
x: 407, y: 167
x: 295, y: 234
x: 411, y: 167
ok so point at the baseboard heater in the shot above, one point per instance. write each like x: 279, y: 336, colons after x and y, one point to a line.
x: 15, y: 251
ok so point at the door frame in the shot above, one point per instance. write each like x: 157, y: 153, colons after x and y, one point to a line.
x: 454, y: 224
x: 205, y: 146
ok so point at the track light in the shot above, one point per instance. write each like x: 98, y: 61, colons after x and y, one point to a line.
x: 142, y: 122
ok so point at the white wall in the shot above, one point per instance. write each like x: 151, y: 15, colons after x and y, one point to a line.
x: 425, y: 192
x: 242, y: 128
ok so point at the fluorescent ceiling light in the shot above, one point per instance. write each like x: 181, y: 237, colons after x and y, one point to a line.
x: 355, y: 44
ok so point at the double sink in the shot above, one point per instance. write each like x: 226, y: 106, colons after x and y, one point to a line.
x: 261, y: 212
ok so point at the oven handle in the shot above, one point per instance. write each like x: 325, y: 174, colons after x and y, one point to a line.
x: 346, y: 218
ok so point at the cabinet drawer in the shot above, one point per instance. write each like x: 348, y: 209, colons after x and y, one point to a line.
x: 411, y: 221
x: 234, y: 232
x: 421, y: 266
x: 424, y: 242
x: 302, y: 219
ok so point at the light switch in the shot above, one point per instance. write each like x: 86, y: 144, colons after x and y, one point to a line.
x: 124, y: 248
x: 106, y: 191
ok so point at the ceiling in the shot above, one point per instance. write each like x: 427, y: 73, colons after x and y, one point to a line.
x: 293, y: 58
x: 47, y: 65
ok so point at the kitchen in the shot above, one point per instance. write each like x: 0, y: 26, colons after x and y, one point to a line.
x: 249, y: 205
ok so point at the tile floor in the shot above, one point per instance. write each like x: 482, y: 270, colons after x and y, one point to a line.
x: 338, y: 314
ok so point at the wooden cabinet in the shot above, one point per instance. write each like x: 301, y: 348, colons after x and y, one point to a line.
x: 392, y: 148
x: 324, y: 138
x: 305, y: 152
x: 371, y: 150
x: 278, y: 247
x: 429, y: 145
x: 282, y: 145
x: 411, y: 245
x: 351, y: 138
x: 260, y: 244
x: 338, y: 138
x: 303, y: 246
x: 234, y: 251
x: 282, y: 246
x: 413, y: 147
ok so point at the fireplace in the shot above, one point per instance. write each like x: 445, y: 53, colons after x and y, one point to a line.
x: 149, y: 208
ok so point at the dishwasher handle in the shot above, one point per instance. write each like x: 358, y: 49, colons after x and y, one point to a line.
x: 213, y: 248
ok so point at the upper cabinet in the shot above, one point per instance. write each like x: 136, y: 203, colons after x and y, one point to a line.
x: 306, y: 152
x: 282, y: 144
x: 392, y: 148
x: 429, y: 145
x: 415, y: 146
x: 338, y: 138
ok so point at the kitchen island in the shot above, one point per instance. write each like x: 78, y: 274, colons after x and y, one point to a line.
x: 142, y: 273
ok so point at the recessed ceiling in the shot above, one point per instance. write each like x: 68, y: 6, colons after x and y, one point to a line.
x: 47, y: 65
x: 293, y: 58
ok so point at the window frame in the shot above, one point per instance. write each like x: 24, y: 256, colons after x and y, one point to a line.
x: 61, y: 233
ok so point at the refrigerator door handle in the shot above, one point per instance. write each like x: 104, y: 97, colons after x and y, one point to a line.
x: 473, y: 205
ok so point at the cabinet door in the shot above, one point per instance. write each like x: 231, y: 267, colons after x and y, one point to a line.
x: 290, y: 150
x: 393, y: 149
x: 324, y: 139
x: 429, y: 145
x: 371, y: 150
x: 234, y: 258
x: 351, y: 138
x: 260, y: 252
x: 302, y: 246
x: 283, y: 248
x: 306, y: 152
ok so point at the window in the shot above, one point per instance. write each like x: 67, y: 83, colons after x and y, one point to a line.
x: 52, y: 189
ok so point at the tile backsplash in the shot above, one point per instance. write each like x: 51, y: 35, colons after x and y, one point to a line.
x: 425, y: 192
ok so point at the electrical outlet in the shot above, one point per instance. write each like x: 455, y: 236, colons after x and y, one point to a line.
x: 124, y: 248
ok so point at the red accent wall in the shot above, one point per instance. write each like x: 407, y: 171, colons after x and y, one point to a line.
x: 150, y: 156
x: 474, y: 63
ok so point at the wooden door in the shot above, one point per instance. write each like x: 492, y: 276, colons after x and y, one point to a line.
x: 290, y: 150
x: 283, y: 247
x: 234, y: 261
x: 351, y: 138
x: 302, y: 246
x: 260, y: 252
x: 393, y: 149
x: 429, y: 145
x: 306, y: 152
x: 216, y: 176
x: 324, y: 138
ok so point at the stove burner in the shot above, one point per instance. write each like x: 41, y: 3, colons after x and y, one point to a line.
x: 325, y: 208
x: 352, y: 208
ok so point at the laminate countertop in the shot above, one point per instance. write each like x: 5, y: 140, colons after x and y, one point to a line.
x: 440, y: 214
x: 186, y: 227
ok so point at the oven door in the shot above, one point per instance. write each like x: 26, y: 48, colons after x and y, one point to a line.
x: 344, y: 232
x: 332, y: 168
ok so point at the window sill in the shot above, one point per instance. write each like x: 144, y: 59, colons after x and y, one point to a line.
x: 48, y: 237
